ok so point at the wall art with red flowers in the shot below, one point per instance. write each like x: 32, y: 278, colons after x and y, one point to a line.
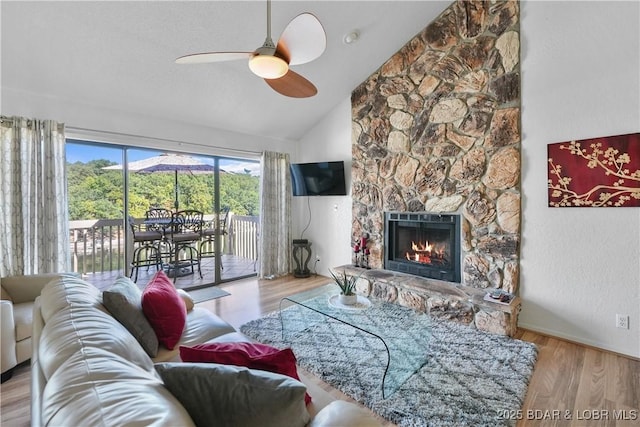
x: 598, y: 172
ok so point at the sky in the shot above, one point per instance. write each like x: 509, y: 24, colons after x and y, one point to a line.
x: 77, y: 152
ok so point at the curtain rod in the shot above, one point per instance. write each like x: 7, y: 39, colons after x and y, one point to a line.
x: 152, y: 138
x: 10, y: 120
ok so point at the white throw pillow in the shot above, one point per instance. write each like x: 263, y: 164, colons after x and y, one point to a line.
x: 188, y: 299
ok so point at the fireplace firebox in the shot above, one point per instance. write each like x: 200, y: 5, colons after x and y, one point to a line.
x: 423, y: 244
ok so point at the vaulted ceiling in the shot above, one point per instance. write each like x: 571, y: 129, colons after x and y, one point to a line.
x: 119, y: 55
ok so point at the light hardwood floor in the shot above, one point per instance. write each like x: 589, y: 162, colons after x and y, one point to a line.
x: 572, y: 385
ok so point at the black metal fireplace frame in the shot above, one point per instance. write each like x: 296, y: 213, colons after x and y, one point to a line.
x: 449, y: 221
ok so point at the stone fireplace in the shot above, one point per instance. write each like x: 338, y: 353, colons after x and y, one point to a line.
x: 423, y: 244
x: 437, y: 129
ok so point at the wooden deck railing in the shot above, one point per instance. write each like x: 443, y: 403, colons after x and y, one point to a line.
x: 98, y: 246
x: 243, y: 236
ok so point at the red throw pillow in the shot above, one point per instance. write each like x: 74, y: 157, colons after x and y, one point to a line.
x: 164, y: 309
x: 250, y: 355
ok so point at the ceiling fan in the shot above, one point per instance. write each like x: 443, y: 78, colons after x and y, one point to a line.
x: 302, y: 41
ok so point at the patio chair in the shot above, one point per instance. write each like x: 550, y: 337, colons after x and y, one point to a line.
x: 146, y: 252
x: 210, y: 234
x: 186, y: 232
x: 159, y: 219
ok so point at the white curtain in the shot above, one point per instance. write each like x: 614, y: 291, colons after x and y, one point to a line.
x: 34, y: 221
x: 275, y: 215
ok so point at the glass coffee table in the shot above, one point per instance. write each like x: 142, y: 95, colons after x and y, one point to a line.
x: 404, y: 332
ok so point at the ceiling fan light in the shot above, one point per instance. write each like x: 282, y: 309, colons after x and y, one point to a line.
x: 268, y: 66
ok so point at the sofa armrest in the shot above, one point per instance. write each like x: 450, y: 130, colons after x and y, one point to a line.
x: 38, y: 380
x: 8, y: 339
x: 28, y: 287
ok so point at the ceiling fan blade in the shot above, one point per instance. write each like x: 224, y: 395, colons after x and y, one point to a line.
x: 207, y: 57
x: 293, y: 85
x: 303, y: 40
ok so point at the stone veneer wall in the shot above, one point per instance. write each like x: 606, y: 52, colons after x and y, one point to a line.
x: 437, y: 129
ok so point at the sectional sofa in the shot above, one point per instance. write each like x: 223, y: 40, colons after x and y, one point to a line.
x: 16, y: 308
x: 89, y: 369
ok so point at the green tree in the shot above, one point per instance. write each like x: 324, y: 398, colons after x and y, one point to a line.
x: 96, y: 193
x: 239, y: 193
x: 93, y: 192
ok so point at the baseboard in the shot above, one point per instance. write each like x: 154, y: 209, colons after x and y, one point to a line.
x: 6, y: 375
x: 576, y: 340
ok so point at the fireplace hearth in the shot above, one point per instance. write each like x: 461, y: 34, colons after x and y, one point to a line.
x: 423, y: 244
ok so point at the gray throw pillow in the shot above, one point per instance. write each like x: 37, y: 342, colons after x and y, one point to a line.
x: 230, y: 396
x: 124, y: 301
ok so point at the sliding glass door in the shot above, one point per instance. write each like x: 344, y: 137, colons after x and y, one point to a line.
x: 96, y: 203
x: 110, y: 183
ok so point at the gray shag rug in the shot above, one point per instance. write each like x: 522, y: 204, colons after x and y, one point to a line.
x: 469, y: 378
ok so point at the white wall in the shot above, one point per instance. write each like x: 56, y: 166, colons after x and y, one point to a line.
x: 330, y: 228
x: 580, y: 79
x: 117, y: 125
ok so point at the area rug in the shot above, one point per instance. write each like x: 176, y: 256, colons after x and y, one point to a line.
x: 469, y: 378
x: 206, y: 294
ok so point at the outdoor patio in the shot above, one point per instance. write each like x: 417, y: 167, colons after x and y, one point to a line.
x: 234, y: 267
x: 97, y: 251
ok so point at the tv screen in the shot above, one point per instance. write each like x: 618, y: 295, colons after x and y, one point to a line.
x: 318, y: 179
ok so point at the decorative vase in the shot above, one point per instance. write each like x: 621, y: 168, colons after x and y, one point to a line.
x: 348, y: 299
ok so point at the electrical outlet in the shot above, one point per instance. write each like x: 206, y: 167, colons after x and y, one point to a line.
x: 622, y: 321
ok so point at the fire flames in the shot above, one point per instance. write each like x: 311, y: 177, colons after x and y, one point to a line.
x: 425, y: 253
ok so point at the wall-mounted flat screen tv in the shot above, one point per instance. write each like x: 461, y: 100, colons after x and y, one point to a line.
x: 318, y: 179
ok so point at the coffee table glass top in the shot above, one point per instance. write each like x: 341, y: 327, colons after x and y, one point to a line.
x: 403, y: 332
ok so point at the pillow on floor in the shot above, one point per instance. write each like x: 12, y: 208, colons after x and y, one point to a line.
x: 164, y: 309
x: 230, y: 396
x: 250, y: 355
x: 124, y: 301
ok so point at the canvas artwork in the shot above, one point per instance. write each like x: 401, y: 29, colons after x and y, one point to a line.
x: 598, y: 172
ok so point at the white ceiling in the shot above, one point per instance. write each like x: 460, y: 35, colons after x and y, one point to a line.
x: 120, y: 55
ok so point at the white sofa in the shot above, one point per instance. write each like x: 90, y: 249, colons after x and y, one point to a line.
x: 16, y: 309
x: 87, y: 369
